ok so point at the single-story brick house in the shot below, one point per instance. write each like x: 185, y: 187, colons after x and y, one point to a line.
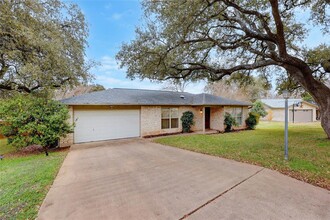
x: 124, y: 113
x: 299, y: 110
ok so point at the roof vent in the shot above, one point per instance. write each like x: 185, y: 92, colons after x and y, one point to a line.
x: 182, y: 96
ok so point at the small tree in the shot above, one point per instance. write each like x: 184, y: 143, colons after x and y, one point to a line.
x: 258, y: 107
x: 187, y: 120
x: 252, y: 121
x: 29, y: 120
x: 229, y: 122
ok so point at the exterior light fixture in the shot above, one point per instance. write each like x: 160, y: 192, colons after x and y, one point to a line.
x: 201, y: 111
x: 286, y: 96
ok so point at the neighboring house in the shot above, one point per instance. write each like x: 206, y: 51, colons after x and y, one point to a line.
x: 299, y: 110
x: 124, y: 113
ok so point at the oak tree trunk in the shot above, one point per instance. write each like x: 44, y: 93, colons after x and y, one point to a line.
x: 318, y: 90
x: 324, y: 105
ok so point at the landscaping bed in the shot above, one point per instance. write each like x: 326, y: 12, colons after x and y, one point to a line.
x: 309, y: 150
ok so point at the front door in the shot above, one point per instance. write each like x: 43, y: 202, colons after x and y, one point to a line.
x: 207, y: 117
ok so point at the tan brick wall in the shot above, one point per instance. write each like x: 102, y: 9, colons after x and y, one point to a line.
x: 217, y: 117
x: 68, y: 140
x: 151, y: 120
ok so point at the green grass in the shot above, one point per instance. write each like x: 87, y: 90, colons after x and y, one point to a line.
x: 24, y: 183
x: 4, y: 148
x: 309, y: 150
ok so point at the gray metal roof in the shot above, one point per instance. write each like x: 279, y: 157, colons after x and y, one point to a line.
x: 118, y: 96
x: 280, y: 103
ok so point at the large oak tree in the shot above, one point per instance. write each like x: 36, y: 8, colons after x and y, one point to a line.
x: 42, y: 45
x: 212, y: 39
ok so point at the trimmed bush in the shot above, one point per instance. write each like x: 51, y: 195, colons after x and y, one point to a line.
x: 187, y: 120
x: 229, y: 122
x: 252, y: 121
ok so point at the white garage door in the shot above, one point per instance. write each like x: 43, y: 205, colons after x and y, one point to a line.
x: 98, y: 125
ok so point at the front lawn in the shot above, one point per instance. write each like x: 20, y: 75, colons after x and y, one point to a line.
x: 25, y: 181
x: 309, y: 150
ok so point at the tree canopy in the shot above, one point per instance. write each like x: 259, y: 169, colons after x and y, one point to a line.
x: 235, y: 87
x: 258, y: 107
x: 29, y: 120
x: 212, y: 39
x: 42, y: 45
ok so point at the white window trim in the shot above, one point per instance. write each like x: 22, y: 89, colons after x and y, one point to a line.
x: 170, y: 118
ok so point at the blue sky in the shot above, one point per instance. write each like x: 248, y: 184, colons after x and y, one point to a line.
x: 112, y: 22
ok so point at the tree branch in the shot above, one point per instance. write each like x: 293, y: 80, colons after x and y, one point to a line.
x: 279, y: 28
x: 260, y: 16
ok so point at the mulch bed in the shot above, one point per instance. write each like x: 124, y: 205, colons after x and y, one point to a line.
x: 162, y: 135
x: 33, y: 150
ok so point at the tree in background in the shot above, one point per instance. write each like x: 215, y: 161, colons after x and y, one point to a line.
x: 258, y: 108
x: 29, y: 120
x: 229, y: 91
x: 212, y: 39
x: 307, y: 97
x: 42, y: 45
x: 235, y: 87
x: 175, y: 85
x: 69, y: 91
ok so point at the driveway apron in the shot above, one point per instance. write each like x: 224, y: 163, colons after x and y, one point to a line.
x: 138, y: 179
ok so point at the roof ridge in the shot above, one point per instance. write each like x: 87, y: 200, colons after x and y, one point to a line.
x: 151, y: 90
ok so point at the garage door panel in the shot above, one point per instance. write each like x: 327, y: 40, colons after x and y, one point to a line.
x: 301, y: 115
x: 97, y: 125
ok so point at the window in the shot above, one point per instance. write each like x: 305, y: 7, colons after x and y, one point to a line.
x: 237, y: 113
x: 170, y: 118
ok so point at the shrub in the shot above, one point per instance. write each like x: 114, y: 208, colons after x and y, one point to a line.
x: 252, y: 121
x: 187, y: 120
x: 258, y: 107
x: 30, y: 120
x: 229, y: 122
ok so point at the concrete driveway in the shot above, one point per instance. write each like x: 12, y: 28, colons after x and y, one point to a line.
x: 136, y: 179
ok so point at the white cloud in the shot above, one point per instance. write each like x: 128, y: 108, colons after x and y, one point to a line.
x: 108, y: 6
x: 117, y: 16
x: 108, y: 65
